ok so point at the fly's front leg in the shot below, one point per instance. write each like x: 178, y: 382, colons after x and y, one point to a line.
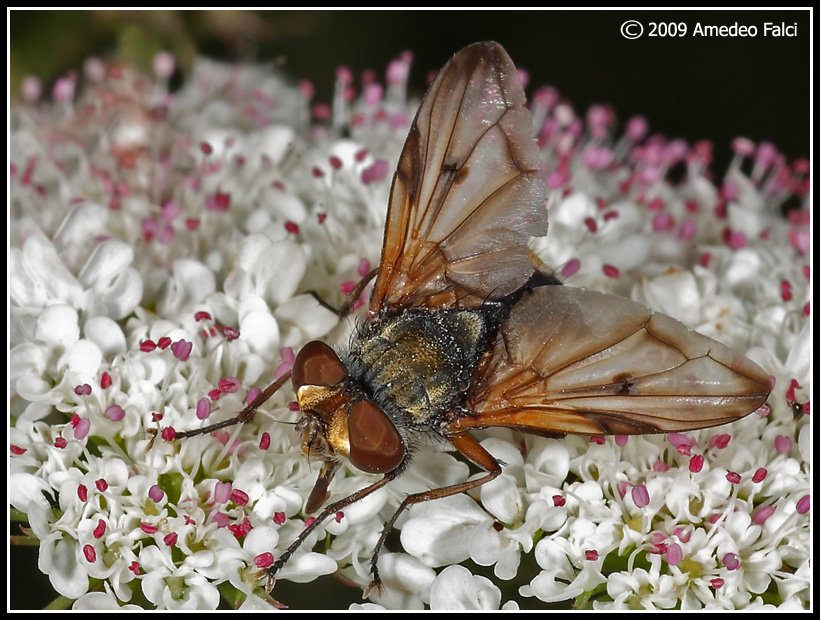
x: 244, y: 415
x: 247, y: 412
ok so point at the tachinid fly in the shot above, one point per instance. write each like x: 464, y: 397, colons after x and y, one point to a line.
x: 463, y: 332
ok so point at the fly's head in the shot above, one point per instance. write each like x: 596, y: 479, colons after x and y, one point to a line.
x: 339, y: 423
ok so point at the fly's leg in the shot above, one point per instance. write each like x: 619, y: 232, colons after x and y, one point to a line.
x: 330, y: 510
x: 470, y: 448
x: 247, y: 413
x: 351, y: 299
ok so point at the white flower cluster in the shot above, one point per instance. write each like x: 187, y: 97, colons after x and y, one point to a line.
x: 163, y: 248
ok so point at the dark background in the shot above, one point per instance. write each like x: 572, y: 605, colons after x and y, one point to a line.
x: 689, y: 87
x: 714, y: 88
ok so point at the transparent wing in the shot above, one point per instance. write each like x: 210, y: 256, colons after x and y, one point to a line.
x: 570, y: 360
x: 468, y: 191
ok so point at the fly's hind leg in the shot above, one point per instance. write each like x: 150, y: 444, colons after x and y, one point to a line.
x: 470, y: 448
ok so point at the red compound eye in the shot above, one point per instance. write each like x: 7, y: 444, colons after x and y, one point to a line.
x: 317, y: 364
x: 375, y: 444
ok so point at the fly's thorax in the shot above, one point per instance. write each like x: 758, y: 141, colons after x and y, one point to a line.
x: 418, y: 364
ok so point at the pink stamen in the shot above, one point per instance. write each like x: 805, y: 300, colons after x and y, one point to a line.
x: 762, y: 515
x: 222, y: 492
x: 203, y: 408
x: 181, y: 349
x: 156, y: 493
x: 720, y: 441
x: 231, y: 333
x: 696, y: 463
x: 90, y: 553
x: 571, y: 268
x: 82, y: 390
x: 263, y: 560
x: 783, y: 444
x: 240, y: 498
x: 229, y: 385
x: 640, y: 495
x: 82, y: 428
x: 804, y: 504
x: 731, y: 561
x: 115, y: 413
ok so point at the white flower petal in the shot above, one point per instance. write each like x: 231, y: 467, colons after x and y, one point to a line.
x: 27, y: 359
x: 441, y: 532
x: 77, y: 235
x: 406, y: 573
x: 308, y: 315
x: 63, y: 563
x: 25, y: 489
x: 57, y: 326
x: 190, y: 284
x: 261, y: 539
x: 108, y: 260
x: 503, y: 499
x: 121, y: 296
x: 305, y: 567
x: 270, y: 270
x: 456, y: 588
x: 261, y: 331
x: 106, y: 334
x: 46, y: 277
x: 101, y: 601
x: 83, y: 361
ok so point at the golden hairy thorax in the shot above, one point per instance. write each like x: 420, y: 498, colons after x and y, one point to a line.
x: 418, y: 363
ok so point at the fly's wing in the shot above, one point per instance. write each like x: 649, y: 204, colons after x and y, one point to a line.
x: 468, y: 191
x: 570, y: 360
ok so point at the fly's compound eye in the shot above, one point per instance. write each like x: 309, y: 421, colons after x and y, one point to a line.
x: 316, y: 364
x: 375, y: 444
